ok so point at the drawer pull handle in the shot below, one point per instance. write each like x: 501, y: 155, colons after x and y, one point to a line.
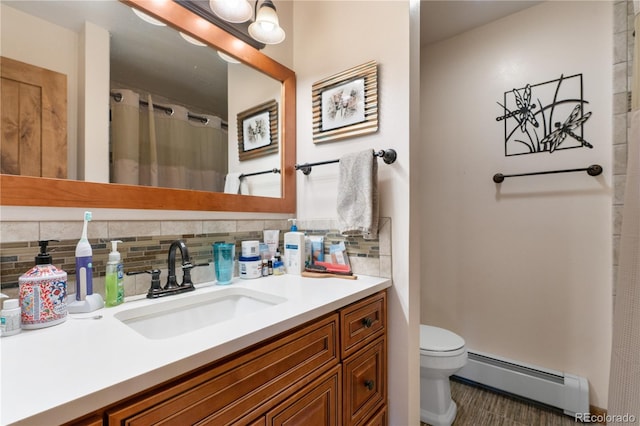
x: 369, y: 384
x: 367, y: 322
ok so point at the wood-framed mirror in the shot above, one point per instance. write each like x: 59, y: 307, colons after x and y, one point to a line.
x: 36, y: 191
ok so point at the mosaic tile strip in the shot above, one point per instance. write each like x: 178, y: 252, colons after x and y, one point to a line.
x: 146, y: 252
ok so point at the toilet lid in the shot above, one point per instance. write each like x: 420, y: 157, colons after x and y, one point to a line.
x: 438, y: 339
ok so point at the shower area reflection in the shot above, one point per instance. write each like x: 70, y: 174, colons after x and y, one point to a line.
x: 165, y: 145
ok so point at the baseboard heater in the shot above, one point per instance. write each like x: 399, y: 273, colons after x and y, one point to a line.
x: 567, y: 392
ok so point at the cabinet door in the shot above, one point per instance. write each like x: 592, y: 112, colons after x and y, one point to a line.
x: 317, y: 404
x: 365, y: 387
x: 33, y: 141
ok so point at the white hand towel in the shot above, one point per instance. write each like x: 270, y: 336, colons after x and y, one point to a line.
x: 358, y: 195
x: 244, y: 187
x: 232, y: 183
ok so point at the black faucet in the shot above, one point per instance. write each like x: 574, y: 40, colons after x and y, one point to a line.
x: 172, y: 283
x: 172, y: 286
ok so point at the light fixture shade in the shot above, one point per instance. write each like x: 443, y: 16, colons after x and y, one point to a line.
x: 191, y: 40
x: 148, y: 19
x: 266, y: 28
x: 227, y: 58
x: 235, y: 11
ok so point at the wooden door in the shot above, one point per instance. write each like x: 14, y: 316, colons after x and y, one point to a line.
x: 33, y: 113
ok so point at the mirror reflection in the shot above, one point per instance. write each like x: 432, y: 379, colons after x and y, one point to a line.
x: 187, y: 139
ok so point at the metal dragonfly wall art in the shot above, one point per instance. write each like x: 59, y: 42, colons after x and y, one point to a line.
x: 530, y: 116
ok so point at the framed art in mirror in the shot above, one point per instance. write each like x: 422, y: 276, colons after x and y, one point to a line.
x: 258, y: 131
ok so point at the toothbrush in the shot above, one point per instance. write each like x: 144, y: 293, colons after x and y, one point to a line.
x: 84, y: 254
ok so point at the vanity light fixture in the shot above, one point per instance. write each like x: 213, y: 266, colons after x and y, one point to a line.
x: 266, y: 26
x: 148, y: 19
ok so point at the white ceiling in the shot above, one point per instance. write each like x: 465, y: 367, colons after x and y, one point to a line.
x: 441, y: 19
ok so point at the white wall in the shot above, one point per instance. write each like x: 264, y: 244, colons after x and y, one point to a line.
x: 93, y: 98
x: 331, y: 37
x: 522, y: 269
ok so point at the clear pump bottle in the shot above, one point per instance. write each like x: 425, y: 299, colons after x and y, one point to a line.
x: 114, y: 277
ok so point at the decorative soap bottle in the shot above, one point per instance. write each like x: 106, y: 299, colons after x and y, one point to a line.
x: 43, y: 292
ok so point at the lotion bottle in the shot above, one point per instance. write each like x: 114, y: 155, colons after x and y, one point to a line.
x: 294, y: 248
x: 114, y: 277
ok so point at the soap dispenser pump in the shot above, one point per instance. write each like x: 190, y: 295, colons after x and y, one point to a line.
x: 43, y: 292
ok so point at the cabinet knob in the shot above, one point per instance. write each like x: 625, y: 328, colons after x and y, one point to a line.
x: 367, y: 322
x: 369, y: 384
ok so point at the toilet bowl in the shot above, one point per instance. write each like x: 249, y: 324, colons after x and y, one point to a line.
x: 442, y: 353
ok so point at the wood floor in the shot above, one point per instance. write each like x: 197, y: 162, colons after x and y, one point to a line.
x: 480, y: 407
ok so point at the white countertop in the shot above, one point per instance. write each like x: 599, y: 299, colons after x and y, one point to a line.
x: 56, y: 374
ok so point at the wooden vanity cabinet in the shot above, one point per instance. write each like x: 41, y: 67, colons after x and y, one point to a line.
x: 330, y: 371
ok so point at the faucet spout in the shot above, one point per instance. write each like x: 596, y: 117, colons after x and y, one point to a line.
x: 172, y: 282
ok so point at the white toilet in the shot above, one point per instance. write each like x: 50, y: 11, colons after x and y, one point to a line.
x: 442, y: 353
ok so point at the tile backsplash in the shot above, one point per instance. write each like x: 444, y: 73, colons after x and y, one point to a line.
x: 146, y: 245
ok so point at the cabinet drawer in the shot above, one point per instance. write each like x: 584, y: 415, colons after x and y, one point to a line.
x: 362, y: 323
x: 318, y: 403
x: 365, y: 382
x: 229, y: 391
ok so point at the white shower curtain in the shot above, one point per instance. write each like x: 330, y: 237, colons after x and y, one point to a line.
x: 624, y: 380
x: 151, y: 147
x: 125, y: 134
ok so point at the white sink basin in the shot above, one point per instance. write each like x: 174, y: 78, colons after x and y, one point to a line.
x: 169, y: 318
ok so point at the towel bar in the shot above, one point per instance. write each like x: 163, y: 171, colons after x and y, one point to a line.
x: 244, y: 175
x: 389, y: 156
x: 592, y: 170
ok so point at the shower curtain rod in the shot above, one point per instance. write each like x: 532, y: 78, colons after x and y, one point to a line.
x: 389, y: 156
x: 593, y: 170
x: 204, y: 120
x: 244, y: 175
